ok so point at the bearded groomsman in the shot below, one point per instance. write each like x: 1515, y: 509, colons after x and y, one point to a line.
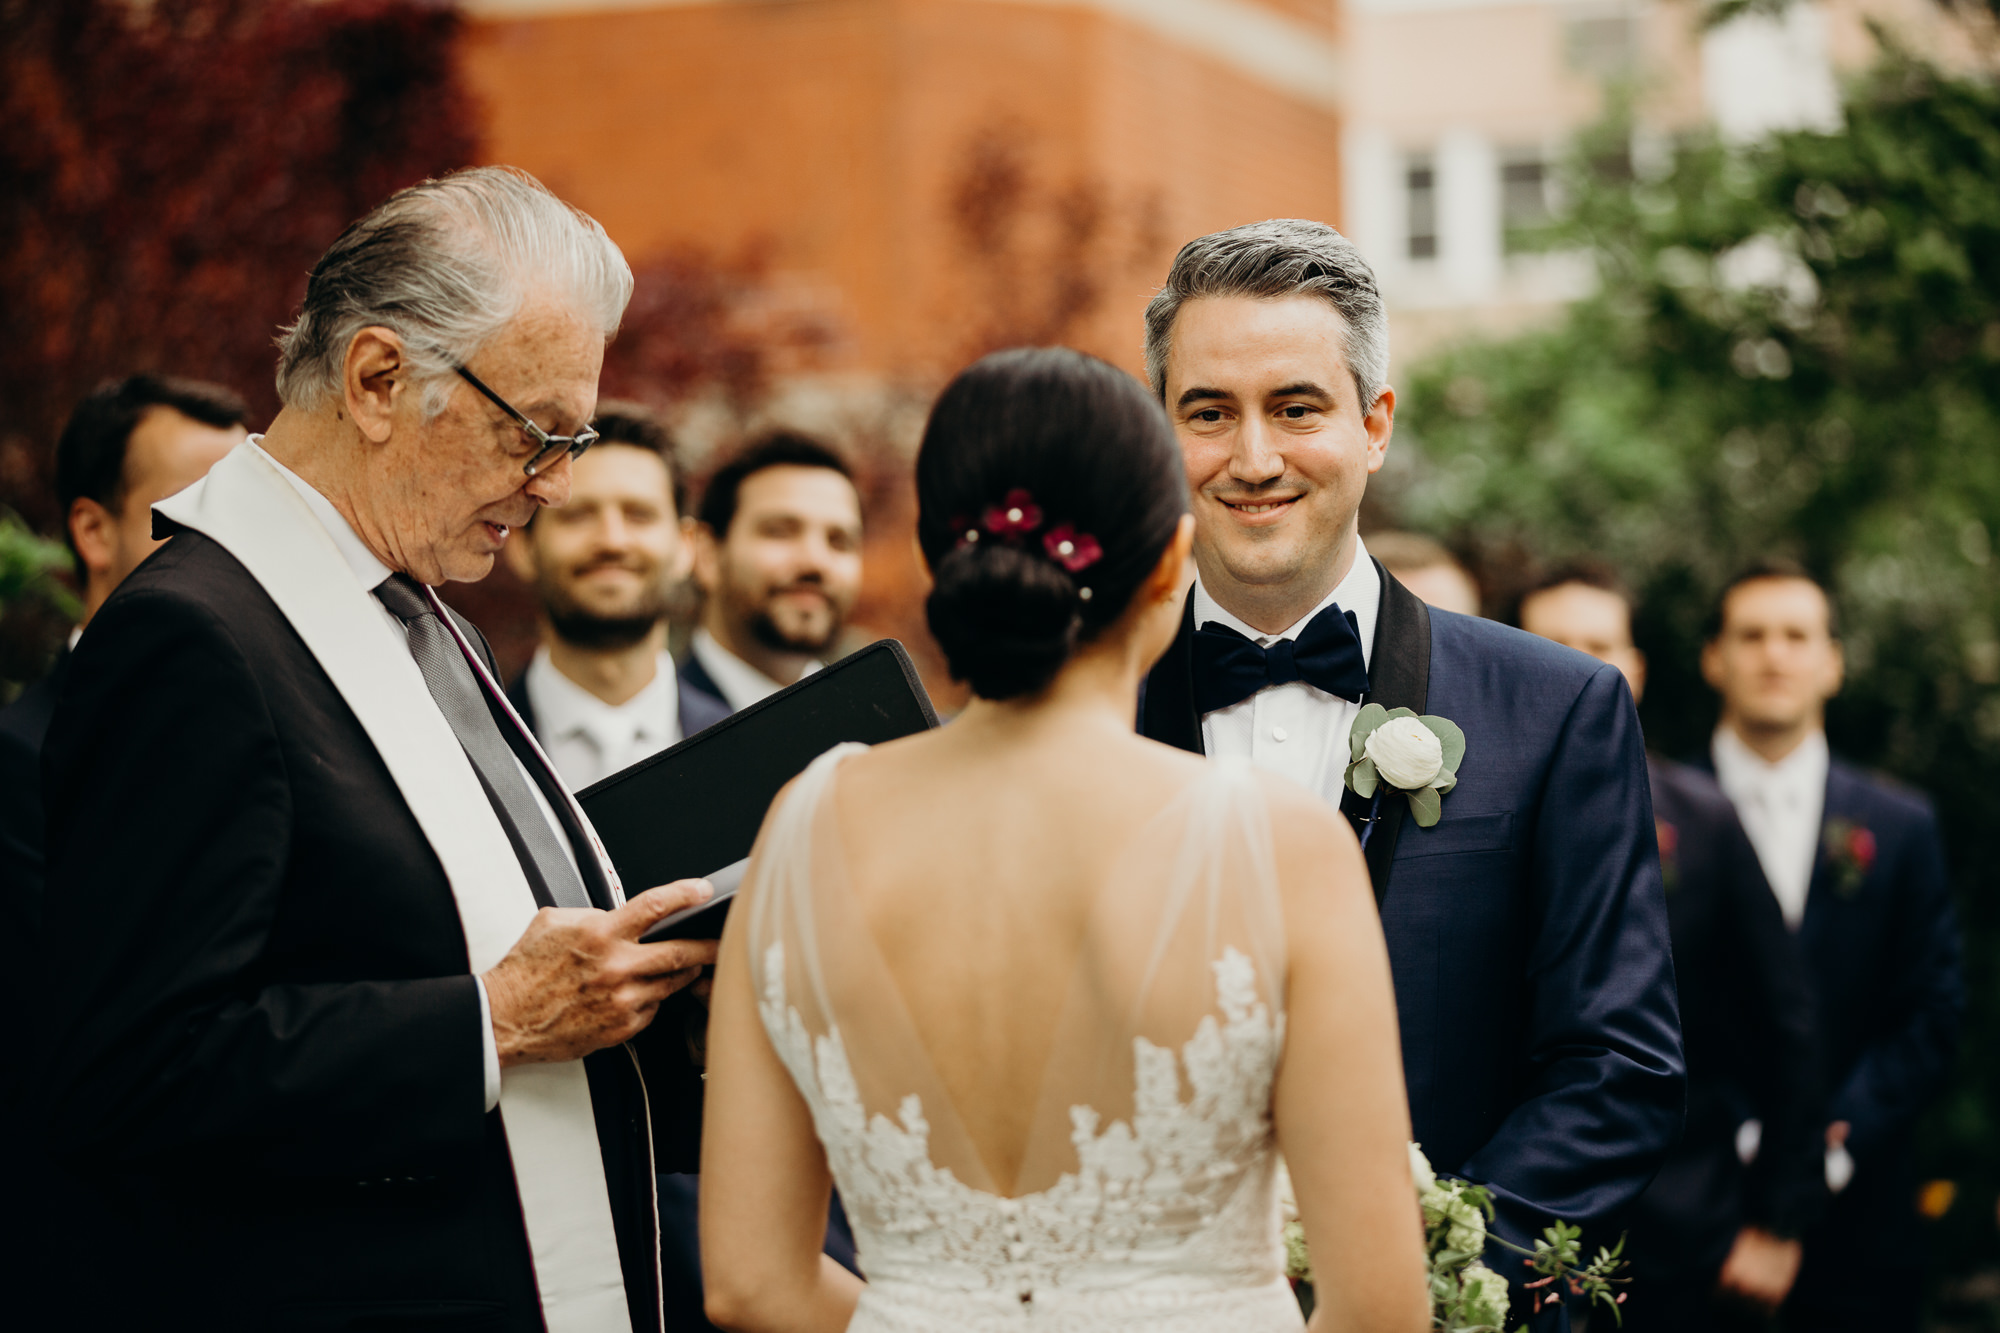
x: 1511, y: 846
x: 1858, y: 868
x: 778, y: 557
x: 1714, y: 1241
x: 601, y: 693
x: 304, y: 1015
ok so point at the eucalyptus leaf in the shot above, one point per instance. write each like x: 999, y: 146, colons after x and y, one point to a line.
x: 1426, y: 806
x: 1363, y: 778
x: 1449, y: 736
x: 1445, y: 781
x: 1370, y: 717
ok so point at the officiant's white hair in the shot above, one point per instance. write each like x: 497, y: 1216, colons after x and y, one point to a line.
x: 447, y: 264
x: 1271, y: 260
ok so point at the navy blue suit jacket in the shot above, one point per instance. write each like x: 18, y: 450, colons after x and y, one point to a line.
x: 1882, y: 951
x: 1527, y: 931
x: 1747, y: 1024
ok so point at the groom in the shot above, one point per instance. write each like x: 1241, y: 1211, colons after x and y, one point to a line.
x: 1526, y: 926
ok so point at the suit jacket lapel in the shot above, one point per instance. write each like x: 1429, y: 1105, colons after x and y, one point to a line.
x: 1835, y: 806
x: 1399, y: 676
x: 1166, y: 712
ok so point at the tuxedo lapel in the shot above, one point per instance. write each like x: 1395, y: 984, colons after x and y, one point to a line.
x: 1399, y: 676
x: 1839, y: 804
x: 1167, y: 713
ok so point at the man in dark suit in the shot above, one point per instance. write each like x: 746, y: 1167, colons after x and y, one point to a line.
x: 333, y: 1065
x: 1858, y: 869
x: 130, y: 443
x: 1526, y: 928
x: 601, y: 693
x: 1714, y: 1245
x: 777, y: 553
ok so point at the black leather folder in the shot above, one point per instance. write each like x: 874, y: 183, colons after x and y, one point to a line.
x: 693, y: 811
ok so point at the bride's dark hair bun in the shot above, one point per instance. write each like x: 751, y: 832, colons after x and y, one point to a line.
x: 1088, y: 449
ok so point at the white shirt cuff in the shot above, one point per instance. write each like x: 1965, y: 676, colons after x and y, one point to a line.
x: 489, y: 1049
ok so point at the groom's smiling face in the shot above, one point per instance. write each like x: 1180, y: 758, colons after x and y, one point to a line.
x: 1278, y: 449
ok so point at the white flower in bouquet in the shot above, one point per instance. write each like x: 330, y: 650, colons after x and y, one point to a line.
x: 1406, y: 753
x: 1465, y: 1225
x: 1484, y: 1296
x: 1420, y: 1171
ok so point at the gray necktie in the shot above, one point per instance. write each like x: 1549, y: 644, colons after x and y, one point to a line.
x: 462, y: 700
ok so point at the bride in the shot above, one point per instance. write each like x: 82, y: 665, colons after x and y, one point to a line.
x: 1044, y: 999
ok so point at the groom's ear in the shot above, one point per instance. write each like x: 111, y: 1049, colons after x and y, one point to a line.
x: 1171, y: 577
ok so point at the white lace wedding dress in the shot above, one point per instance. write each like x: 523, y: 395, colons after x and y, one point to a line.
x: 1145, y: 1195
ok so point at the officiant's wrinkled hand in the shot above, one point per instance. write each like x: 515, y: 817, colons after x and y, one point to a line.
x: 578, y: 979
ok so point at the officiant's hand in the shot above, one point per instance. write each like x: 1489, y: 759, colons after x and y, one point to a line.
x: 579, y: 980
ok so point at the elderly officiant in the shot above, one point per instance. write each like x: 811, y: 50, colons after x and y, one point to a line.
x: 348, y: 1025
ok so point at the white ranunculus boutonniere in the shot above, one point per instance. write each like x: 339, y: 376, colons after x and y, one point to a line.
x: 1417, y: 756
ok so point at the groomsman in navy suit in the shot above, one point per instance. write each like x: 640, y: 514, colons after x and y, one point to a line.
x: 1522, y: 905
x: 1714, y: 1240
x: 1858, y: 869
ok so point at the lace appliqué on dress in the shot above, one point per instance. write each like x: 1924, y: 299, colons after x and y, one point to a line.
x: 1169, y: 1222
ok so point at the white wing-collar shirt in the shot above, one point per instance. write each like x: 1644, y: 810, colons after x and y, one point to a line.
x: 587, y: 738
x: 1781, y: 806
x: 741, y: 684
x: 1297, y: 730
x: 370, y: 573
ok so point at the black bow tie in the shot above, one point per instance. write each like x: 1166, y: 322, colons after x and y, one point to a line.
x: 1229, y: 668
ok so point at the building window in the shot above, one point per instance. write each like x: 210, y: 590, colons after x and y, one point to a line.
x: 1524, y: 196
x: 1420, y: 190
x: 1604, y: 47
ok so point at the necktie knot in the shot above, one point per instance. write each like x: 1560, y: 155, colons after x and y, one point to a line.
x: 404, y: 597
x: 1229, y: 668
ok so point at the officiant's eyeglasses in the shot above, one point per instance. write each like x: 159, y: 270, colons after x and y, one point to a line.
x: 550, y: 444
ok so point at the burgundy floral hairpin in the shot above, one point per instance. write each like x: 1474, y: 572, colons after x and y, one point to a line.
x: 1017, y: 517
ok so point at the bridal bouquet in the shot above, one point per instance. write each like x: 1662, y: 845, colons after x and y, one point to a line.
x: 1466, y: 1295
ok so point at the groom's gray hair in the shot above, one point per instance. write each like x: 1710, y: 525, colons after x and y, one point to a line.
x: 1274, y: 259
x: 447, y: 264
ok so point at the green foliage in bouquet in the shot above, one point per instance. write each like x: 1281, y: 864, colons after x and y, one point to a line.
x: 1466, y: 1296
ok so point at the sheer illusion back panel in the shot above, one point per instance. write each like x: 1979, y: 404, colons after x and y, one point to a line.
x: 1148, y: 1120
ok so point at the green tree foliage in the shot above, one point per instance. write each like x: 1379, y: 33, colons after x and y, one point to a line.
x: 1794, y: 349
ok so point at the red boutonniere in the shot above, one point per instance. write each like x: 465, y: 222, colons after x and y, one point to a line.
x: 1850, y: 852
x: 1669, y: 839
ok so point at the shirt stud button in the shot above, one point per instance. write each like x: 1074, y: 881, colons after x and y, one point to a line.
x: 1279, y: 733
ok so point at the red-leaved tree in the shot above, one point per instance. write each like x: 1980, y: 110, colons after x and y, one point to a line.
x: 169, y: 172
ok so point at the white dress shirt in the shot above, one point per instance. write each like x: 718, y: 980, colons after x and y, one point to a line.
x: 1780, y: 805
x: 1297, y: 730
x: 741, y: 684
x: 370, y: 572
x: 587, y: 738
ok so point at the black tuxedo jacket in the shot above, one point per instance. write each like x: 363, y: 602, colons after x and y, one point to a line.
x: 699, y: 709
x: 1882, y: 950
x: 264, y: 1032
x: 1747, y: 1021
x: 1527, y: 932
